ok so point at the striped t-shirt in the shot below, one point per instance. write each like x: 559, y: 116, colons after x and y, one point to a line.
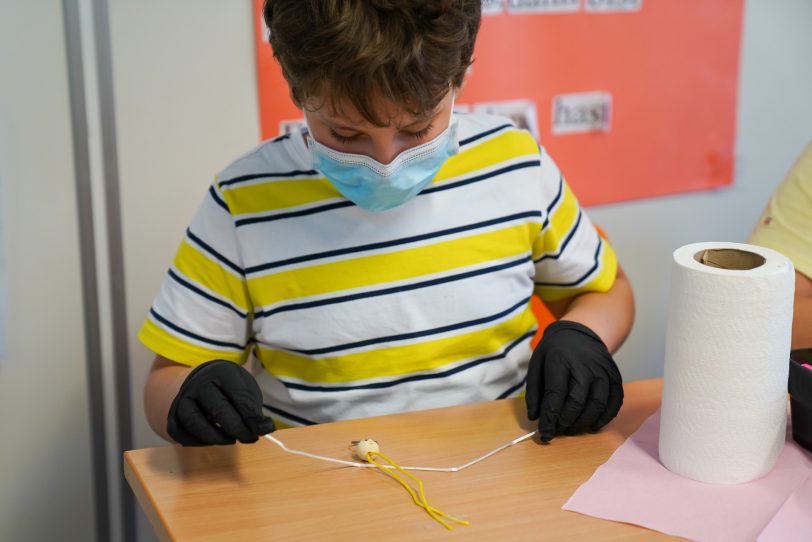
x: 352, y: 313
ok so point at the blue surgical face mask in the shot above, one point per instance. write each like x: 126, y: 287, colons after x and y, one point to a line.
x: 377, y: 187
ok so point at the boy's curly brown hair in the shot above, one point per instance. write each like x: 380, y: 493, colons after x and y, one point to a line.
x: 410, y: 52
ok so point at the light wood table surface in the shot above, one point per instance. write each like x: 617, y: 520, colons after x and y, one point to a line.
x: 259, y: 492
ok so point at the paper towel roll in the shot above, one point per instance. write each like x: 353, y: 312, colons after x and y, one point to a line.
x: 724, y: 407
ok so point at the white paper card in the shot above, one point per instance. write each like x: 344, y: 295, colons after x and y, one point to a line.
x: 521, y: 112
x: 292, y: 126
x: 610, y: 6
x: 543, y: 6
x: 492, y: 7
x: 581, y: 112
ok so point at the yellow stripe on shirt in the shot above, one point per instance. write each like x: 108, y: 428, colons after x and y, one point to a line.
x: 561, y: 221
x: 278, y: 194
x: 601, y: 282
x: 200, y: 268
x: 493, y: 151
x: 179, y: 350
x: 389, y: 267
x: 403, y: 359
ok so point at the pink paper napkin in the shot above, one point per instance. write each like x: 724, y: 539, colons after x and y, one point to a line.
x: 793, y: 522
x: 633, y: 487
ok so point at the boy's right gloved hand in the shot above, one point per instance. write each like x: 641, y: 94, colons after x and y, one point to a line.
x: 218, y: 403
x: 573, y: 384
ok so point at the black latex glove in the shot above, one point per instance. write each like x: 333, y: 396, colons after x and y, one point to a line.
x: 573, y: 384
x: 218, y: 403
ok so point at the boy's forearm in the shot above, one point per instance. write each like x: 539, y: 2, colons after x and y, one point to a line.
x: 609, y: 314
x: 162, y: 386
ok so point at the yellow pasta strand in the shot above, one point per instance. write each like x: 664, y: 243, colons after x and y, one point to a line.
x: 421, y: 501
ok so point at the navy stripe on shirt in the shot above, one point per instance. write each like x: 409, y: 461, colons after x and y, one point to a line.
x: 511, y: 389
x: 557, y: 196
x: 584, y: 276
x: 483, y: 134
x: 484, y: 176
x: 288, y: 415
x: 191, y: 335
x: 392, y: 290
x: 413, y: 334
x: 268, y: 175
x: 413, y: 378
x: 293, y: 214
x: 217, y: 199
x: 553, y: 203
x: 345, y: 203
x: 205, y: 246
x: 188, y: 285
x: 564, y: 243
x: 392, y: 243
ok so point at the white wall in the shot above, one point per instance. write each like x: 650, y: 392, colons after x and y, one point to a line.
x: 184, y: 83
x: 45, y: 466
x: 185, y: 107
x: 774, y: 124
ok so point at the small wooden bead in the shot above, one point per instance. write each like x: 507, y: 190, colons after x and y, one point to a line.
x: 364, y: 447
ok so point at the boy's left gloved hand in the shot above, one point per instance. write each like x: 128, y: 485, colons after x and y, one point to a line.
x: 573, y: 384
x: 219, y: 402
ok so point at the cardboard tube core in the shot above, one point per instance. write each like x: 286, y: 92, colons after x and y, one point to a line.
x: 729, y: 258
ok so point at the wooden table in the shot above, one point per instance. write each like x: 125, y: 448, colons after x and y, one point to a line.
x: 259, y: 492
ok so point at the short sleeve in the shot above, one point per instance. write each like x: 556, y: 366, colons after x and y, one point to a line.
x: 569, y: 254
x: 786, y: 223
x: 203, y: 310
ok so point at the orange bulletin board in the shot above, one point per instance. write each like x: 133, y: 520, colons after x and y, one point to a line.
x: 665, y: 74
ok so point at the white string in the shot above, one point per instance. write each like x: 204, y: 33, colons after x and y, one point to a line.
x: 368, y: 465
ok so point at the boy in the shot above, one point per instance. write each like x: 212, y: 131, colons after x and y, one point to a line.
x: 383, y: 260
